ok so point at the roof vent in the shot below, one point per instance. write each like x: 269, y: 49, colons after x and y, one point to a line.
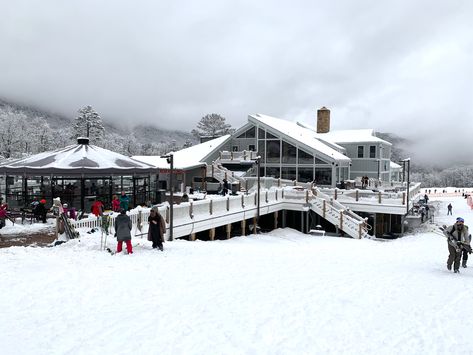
x: 83, y: 140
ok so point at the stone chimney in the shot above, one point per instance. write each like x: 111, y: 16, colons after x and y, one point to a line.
x: 323, y: 120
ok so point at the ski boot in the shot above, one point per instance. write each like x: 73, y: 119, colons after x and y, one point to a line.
x: 464, y: 263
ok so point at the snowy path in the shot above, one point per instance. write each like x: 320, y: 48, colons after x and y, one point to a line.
x: 282, y: 293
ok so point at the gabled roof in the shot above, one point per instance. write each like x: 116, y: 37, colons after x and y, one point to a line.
x: 77, y: 158
x: 302, y: 135
x: 186, y: 158
x: 352, y: 136
x: 394, y: 166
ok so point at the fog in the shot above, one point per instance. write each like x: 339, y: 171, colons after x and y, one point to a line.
x: 402, y: 67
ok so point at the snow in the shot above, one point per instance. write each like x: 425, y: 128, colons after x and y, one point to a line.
x: 278, y: 293
x: 352, y: 136
x: 300, y: 134
x: 187, y: 158
x: 74, y: 157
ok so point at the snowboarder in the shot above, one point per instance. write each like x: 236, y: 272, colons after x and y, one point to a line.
x: 157, y: 229
x: 449, y: 209
x: 123, y: 231
x: 458, y: 238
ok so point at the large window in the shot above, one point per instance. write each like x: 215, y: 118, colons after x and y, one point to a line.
x: 250, y: 133
x: 323, y: 176
x: 372, y: 151
x: 273, y: 151
x: 304, y: 158
x: 288, y: 153
x: 304, y: 174
x: 361, y: 151
x: 273, y: 172
x: 288, y: 173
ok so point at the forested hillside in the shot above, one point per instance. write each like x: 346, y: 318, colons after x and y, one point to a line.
x: 26, y: 130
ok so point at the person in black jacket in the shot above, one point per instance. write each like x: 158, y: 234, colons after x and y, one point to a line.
x: 157, y: 229
x: 123, y: 227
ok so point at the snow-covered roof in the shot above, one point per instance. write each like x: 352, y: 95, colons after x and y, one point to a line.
x: 186, y: 158
x: 394, y: 166
x: 77, y: 158
x: 352, y: 136
x: 301, y: 134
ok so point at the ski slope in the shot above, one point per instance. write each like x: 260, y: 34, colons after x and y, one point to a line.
x: 279, y: 293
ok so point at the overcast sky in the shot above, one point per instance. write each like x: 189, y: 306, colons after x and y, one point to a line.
x: 396, y: 66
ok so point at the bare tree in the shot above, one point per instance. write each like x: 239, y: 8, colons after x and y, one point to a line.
x: 89, y: 124
x: 212, y: 125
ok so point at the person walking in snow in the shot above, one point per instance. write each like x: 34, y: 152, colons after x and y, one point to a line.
x: 458, y: 238
x: 449, y: 209
x: 123, y: 231
x: 157, y: 229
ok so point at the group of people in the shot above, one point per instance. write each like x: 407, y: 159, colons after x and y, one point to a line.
x: 156, y: 230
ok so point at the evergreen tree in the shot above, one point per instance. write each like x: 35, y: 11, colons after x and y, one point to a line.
x: 89, y: 124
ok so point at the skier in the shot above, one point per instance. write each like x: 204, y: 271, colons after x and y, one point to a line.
x: 458, y: 238
x: 157, y: 229
x: 122, y: 231
x: 225, y: 187
x: 3, y: 214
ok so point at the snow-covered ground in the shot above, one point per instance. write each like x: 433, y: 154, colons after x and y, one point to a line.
x: 279, y: 293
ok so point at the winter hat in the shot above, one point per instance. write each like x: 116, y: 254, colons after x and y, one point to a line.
x: 460, y: 220
x: 122, y: 211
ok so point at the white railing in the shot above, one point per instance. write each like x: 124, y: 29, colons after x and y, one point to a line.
x: 245, y: 155
x: 211, y: 213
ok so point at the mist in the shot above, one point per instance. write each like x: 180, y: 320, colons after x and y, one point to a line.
x: 402, y: 67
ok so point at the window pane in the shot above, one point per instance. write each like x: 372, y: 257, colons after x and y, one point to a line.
x: 270, y: 136
x: 319, y: 161
x: 273, y: 172
x: 261, y: 134
x: 305, y: 158
x: 241, y: 135
x: 273, y: 151
x: 323, y: 176
x: 304, y: 174
x: 361, y: 151
x: 372, y: 151
x: 288, y: 173
x: 251, y: 133
x: 261, y: 151
x: 288, y: 153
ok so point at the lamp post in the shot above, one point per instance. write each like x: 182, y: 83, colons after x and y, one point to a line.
x: 379, y: 168
x: 170, y: 160
x: 408, y: 161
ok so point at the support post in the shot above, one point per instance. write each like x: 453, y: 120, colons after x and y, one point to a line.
x: 212, y: 233
x: 192, y: 237
x: 276, y: 215
x: 243, y: 227
x: 229, y: 231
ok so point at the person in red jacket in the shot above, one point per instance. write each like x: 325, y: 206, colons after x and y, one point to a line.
x: 97, y: 208
x: 115, y: 204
